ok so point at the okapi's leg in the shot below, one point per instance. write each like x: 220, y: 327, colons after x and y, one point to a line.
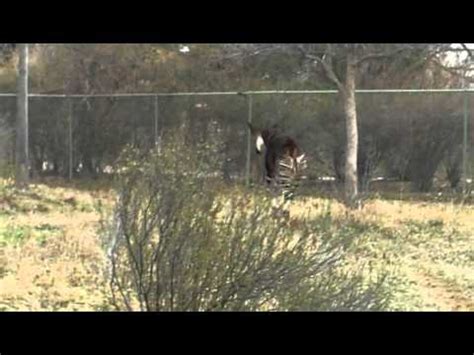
x: 270, y: 167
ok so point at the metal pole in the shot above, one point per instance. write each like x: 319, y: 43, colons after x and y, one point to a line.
x: 464, y: 143
x: 70, y: 117
x: 249, y: 141
x: 22, y: 146
x: 266, y: 92
x: 156, y: 119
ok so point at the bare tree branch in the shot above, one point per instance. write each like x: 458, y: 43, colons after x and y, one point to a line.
x: 326, y: 62
x: 469, y: 52
x: 379, y: 55
x: 454, y: 71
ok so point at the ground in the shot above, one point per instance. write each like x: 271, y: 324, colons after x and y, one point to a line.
x: 52, y: 257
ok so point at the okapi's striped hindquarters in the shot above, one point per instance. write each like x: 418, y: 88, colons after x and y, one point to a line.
x: 285, y: 163
x: 289, y: 173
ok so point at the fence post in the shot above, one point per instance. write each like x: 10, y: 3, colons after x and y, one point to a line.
x: 249, y: 141
x: 464, y: 143
x: 22, y: 160
x: 156, y: 113
x: 70, y: 142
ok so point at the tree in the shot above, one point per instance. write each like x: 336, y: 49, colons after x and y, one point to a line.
x: 22, y: 161
x: 344, y: 65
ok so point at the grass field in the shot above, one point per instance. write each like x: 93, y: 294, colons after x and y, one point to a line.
x: 51, y: 256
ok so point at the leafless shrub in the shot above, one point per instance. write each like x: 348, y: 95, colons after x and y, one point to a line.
x: 178, y: 244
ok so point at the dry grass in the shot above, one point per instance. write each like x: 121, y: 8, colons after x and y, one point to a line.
x: 58, y: 264
x: 433, y: 247
x: 51, y: 256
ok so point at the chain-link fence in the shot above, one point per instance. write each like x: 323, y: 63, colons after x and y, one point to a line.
x: 418, y: 138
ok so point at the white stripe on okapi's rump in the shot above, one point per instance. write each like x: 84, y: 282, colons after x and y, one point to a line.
x: 289, y: 174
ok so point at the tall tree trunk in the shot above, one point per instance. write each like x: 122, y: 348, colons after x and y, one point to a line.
x: 350, y: 113
x: 22, y: 159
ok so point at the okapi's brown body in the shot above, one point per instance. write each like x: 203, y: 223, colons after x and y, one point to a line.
x: 278, y: 148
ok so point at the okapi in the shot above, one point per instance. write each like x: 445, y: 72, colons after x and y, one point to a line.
x: 284, y: 160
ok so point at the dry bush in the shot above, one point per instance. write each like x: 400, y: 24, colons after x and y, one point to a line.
x: 176, y: 244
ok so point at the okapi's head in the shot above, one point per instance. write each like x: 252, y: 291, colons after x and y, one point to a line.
x: 262, y: 136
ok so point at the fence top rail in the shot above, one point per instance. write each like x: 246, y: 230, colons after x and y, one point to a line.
x: 244, y: 93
